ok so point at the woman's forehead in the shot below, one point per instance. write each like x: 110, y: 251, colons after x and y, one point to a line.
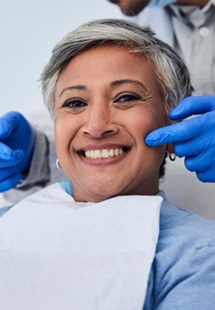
x: 113, y: 59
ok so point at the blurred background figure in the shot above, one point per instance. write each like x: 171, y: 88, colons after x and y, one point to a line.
x: 187, y: 25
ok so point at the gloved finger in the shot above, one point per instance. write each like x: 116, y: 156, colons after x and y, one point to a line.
x: 182, y: 131
x: 202, y: 162
x: 10, y: 182
x: 195, y: 146
x: 193, y: 106
x: 177, y: 132
x: 7, y: 172
x: 8, y: 157
x: 5, y: 127
x: 186, y: 148
x: 207, y: 176
x: 8, y: 123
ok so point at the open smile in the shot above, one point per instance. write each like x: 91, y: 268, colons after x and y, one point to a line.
x: 103, y: 153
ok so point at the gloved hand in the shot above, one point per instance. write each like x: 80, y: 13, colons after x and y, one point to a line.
x: 193, y: 138
x: 17, y: 139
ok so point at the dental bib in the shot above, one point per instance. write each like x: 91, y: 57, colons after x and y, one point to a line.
x: 58, y: 254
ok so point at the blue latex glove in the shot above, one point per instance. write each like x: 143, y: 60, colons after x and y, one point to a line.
x: 17, y: 139
x: 193, y: 138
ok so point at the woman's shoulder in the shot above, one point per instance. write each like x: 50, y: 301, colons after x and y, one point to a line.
x: 184, y: 259
x: 183, y: 237
x: 184, y: 223
x: 184, y: 232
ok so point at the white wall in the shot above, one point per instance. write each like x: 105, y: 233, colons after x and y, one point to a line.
x: 29, y: 29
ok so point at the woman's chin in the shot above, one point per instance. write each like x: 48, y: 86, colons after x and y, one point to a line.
x: 96, y: 194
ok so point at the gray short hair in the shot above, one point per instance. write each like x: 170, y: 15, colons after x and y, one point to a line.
x: 171, y: 72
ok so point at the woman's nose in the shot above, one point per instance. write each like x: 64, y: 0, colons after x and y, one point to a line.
x: 99, y: 123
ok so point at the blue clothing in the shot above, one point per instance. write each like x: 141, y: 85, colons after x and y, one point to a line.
x: 67, y: 187
x: 183, y: 271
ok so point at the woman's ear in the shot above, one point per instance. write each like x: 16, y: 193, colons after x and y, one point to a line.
x: 170, y: 148
x: 170, y: 151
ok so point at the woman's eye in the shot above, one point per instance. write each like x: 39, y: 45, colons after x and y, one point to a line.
x: 127, y: 98
x: 74, y: 103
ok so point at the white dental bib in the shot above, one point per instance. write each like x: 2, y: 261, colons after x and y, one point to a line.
x: 58, y: 254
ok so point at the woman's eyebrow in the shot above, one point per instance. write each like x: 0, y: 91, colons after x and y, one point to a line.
x: 76, y: 87
x: 127, y: 81
x: 114, y: 84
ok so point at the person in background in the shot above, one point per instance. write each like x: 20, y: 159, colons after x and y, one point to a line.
x: 108, y: 238
x: 25, y: 153
x: 192, y: 25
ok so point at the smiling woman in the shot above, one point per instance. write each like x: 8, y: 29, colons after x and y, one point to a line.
x: 101, y: 120
x: 108, y: 238
x: 123, y: 94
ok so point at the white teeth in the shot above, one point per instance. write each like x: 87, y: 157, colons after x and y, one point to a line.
x: 116, y: 152
x: 104, y: 153
x: 99, y: 154
x: 87, y: 153
x: 111, y: 153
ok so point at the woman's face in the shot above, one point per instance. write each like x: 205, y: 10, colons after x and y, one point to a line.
x: 106, y: 101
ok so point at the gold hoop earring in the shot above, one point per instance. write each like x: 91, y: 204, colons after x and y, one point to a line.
x: 172, y: 156
x: 58, y: 164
